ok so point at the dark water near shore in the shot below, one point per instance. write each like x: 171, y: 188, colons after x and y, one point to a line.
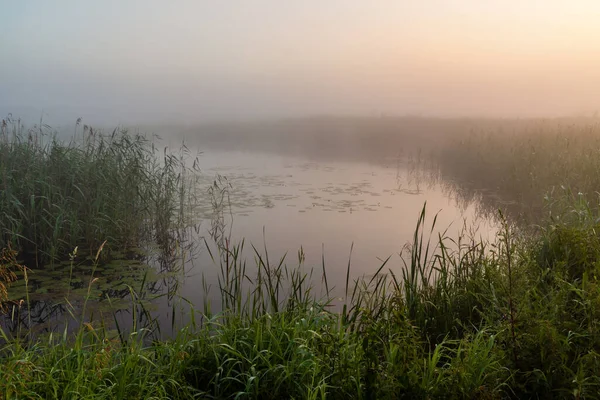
x: 276, y: 201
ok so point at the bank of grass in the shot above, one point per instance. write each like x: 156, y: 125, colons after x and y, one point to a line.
x: 56, y: 194
x: 515, y: 164
x: 516, y: 318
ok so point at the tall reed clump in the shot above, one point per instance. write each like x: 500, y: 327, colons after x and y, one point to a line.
x: 515, y: 166
x: 55, y: 195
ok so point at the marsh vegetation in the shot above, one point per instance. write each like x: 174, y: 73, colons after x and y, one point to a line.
x: 526, y: 166
x: 67, y: 207
x: 515, y: 316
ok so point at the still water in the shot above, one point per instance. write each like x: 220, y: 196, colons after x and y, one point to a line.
x: 279, y: 202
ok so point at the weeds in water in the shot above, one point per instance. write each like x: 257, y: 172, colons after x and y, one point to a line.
x: 57, y: 195
x: 450, y: 327
x: 8, y: 266
x: 514, y: 318
x: 513, y: 165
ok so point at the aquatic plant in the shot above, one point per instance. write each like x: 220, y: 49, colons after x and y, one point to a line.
x: 514, y: 166
x: 8, y: 266
x: 55, y: 195
x: 516, y: 317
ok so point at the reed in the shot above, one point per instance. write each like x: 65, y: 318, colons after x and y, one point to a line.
x: 522, y: 168
x: 443, y: 330
x: 516, y: 317
x: 56, y: 195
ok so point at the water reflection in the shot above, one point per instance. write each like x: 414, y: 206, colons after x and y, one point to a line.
x: 116, y: 292
x: 282, y: 204
x: 289, y: 210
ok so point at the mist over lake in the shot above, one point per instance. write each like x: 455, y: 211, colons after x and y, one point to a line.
x: 307, y: 200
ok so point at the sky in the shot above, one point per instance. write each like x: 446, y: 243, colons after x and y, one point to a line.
x: 193, y: 61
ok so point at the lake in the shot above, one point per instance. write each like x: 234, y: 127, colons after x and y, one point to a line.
x: 333, y: 211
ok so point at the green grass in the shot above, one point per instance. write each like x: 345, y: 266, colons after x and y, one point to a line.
x: 515, y: 318
x: 56, y: 195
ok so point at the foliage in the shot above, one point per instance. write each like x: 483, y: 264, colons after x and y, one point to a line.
x: 513, y: 165
x: 56, y: 195
x: 514, y: 318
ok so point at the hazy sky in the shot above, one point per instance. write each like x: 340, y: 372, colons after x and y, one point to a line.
x: 201, y: 60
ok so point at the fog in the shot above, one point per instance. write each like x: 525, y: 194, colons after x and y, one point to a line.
x: 329, y: 129
x: 198, y: 61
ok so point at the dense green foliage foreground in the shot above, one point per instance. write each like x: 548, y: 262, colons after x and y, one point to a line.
x: 517, y: 318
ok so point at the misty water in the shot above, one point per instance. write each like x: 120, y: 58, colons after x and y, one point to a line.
x: 333, y: 211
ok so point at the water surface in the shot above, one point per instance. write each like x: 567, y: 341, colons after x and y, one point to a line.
x: 281, y: 203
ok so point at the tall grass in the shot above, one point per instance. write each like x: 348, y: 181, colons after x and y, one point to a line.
x: 513, y: 318
x: 517, y: 317
x: 56, y: 195
x: 8, y: 266
x: 513, y: 167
